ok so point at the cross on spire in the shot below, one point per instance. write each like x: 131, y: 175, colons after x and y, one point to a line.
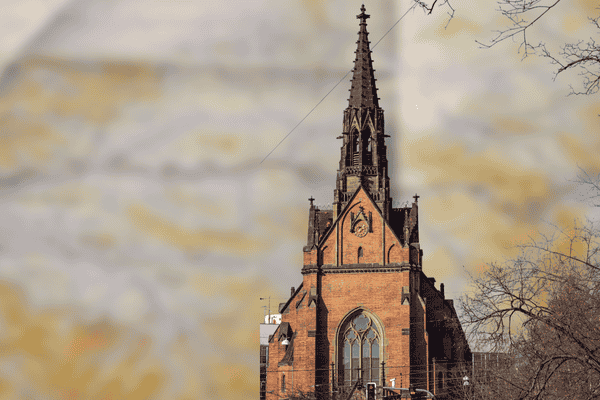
x: 362, y: 16
x: 416, y: 197
x: 311, y: 201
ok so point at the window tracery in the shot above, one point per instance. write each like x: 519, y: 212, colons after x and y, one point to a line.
x: 360, y: 350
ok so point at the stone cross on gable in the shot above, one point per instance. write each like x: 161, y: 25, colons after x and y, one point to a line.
x: 416, y: 197
x: 311, y: 201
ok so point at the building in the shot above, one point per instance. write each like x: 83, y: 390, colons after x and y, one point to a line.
x: 365, y: 309
x: 267, y: 329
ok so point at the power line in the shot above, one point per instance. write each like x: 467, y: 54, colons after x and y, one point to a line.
x: 418, y: 323
x: 336, y: 85
x: 414, y: 368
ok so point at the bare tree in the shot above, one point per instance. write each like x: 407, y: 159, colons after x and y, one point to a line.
x: 521, y: 15
x: 541, y: 311
x: 590, y: 180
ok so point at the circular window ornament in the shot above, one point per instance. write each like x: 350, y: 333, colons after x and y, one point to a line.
x: 361, y: 229
x: 361, y: 323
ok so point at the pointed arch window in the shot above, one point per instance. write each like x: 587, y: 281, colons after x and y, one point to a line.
x: 360, y: 254
x: 367, y: 140
x: 360, y: 350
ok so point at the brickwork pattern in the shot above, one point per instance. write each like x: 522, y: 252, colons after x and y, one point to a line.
x: 380, y: 246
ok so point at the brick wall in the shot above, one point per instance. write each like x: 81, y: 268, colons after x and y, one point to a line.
x: 385, y: 282
x: 380, y: 246
x: 379, y: 294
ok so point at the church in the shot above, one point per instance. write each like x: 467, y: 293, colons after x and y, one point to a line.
x: 365, y: 310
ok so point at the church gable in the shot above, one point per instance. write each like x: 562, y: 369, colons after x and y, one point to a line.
x: 361, y: 235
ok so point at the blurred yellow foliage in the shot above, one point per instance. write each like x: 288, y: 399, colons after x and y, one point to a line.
x: 584, y: 154
x: 589, y: 7
x: 573, y: 21
x: 185, y: 197
x: 513, y: 126
x: 95, y: 91
x: 99, y: 240
x: 490, y: 170
x: 457, y: 26
x: 71, y: 363
x: 237, y: 242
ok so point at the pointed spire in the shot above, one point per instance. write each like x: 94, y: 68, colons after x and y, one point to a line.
x: 363, y: 154
x: 363, y: 92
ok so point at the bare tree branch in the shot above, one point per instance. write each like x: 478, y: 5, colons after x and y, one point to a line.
x: 542, y: 307
x: 429, y: 9
x: 522, y: 15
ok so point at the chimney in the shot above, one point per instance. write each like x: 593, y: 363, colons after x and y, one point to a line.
x: 292, y: 291
x: 442, y: 290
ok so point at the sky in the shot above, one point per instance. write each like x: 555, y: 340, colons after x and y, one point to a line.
x: 142, y: 223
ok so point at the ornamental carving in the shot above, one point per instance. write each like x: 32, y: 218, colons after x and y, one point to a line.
x: 361, y: 223
x: 366, y: 169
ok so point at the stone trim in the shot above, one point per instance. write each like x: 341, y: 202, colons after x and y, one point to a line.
x: 358, y: 268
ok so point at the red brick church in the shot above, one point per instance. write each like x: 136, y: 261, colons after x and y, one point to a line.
x: 365, y: 310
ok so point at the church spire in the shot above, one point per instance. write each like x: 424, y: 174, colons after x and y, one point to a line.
x: 363, y: 161
x: 363, y: 91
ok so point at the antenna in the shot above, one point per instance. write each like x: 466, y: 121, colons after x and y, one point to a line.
x: 268, y: 298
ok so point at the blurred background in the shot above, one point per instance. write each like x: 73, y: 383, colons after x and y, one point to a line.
x: 139, y: 226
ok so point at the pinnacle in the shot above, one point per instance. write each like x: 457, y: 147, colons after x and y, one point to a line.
x: 363, y: 91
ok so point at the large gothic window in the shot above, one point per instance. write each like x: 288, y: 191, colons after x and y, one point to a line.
x: 360, y: 344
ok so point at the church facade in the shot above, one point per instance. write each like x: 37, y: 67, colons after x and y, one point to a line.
x: 365, y: 311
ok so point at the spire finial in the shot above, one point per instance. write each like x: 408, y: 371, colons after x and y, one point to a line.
x: 363, y: 91
x: 362, y: 16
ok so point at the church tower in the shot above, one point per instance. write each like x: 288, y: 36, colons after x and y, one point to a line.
x: 365, y: 311
x: 363, y: 158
